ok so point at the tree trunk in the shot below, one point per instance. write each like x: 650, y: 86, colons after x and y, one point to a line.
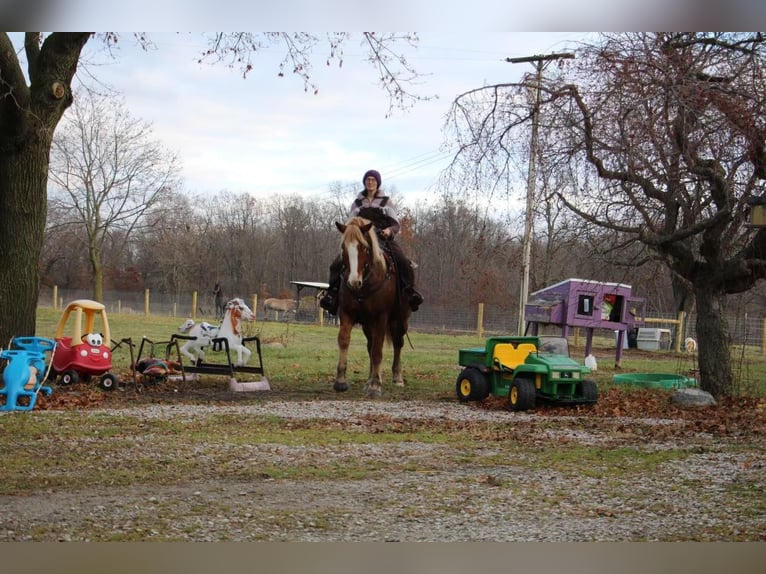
x: 96, y: 269
x: 23, y: 208
x: 714, y: 342
x: 28, y: 116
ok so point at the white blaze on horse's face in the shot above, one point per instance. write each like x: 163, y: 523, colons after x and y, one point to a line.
x: 355, y: 273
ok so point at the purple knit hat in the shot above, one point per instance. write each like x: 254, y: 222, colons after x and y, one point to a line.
x: 373, y: 173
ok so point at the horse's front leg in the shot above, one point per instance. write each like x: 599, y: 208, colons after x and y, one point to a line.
x: 375, y: 340
x: 344, y: 340
x: 368, y: 334
x: 396, y: 367
x: 397, y: 340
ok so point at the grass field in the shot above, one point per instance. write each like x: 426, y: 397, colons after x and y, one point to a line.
x: 301, y: 358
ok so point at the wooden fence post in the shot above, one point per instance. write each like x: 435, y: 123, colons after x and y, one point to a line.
x: 146, y: 302
x: 194, y: 305
x: 763, y: 338
x: 679, y: 330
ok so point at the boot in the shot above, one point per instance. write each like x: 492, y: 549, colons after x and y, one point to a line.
x: 415, y: 300
x: 330, y: 301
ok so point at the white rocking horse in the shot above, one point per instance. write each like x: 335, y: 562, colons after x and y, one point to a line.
x: 203, y: 333
x: 229, y: 329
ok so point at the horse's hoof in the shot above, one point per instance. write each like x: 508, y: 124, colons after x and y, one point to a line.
x: 340, y: 387
x: 374, y: 391
x: 399, y: 383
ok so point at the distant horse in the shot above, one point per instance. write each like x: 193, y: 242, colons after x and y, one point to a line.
x: 368, y: 296
x: 280, y: 305
x: 230, y: 329
x: 219, y: 306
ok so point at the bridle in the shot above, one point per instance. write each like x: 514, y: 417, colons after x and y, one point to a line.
x: 367, y: 270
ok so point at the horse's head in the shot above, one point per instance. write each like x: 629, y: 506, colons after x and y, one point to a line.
x: 238, y: 309
x: 187, y: 325
x: 360, y: 249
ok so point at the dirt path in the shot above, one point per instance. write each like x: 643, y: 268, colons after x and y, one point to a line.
x: 543, y: 476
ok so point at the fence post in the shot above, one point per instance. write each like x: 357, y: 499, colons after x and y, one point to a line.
x: 763, y: 338
x: 194, y: 305
x: 146, y: 302
x: 55, y: 297
x: 255, y: 303
x: 679, y: 330
x: 480, y: 321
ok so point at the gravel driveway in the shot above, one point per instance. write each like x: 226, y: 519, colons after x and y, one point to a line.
x: 698, y: 486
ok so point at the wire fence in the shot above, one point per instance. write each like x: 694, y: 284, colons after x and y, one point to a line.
x: 484, y: 320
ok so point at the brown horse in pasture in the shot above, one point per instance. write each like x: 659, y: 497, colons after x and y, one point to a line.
x: 280, y: 306
x: 369, y: 296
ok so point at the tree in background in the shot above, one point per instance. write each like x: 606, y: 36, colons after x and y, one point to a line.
x: 106, y: 174
x: 662, y: 139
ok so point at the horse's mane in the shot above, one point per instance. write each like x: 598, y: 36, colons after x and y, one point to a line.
x: 354, y: 232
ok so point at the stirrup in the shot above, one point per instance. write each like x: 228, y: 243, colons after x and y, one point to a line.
x: 415, y: 300
x: 329, y: 303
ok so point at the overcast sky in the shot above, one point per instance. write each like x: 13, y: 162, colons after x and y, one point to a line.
x: 265, y: 135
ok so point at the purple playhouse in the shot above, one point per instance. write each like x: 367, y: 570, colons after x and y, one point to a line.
x: 585, y: 304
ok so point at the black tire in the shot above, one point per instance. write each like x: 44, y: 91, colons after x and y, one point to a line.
x: 70, y: 377
x: 471, y: 385
x: 522, y: 394
x: 589, y: 391
x: 108, y: 382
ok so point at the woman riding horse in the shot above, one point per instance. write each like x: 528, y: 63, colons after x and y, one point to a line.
x: 369, y: 296
x: 373, y: 204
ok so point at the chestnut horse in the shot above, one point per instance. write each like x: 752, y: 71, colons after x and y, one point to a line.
x: 368, y: 295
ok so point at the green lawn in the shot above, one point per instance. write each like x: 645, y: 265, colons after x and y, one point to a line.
x: 303, y: 357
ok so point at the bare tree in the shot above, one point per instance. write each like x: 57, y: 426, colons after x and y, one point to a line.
x: 170, y: 253
x: 672, y: 128
x: 462, y: 255
x: 107, y: 172
x: 395, y: 74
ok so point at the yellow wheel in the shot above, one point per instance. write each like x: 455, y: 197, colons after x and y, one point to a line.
x: 471, y: 385
x: 521, y: 396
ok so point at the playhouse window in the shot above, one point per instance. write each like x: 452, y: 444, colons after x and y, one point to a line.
x: 585, y: 305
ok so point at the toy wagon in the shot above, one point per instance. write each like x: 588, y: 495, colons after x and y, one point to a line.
x: 85, y: 352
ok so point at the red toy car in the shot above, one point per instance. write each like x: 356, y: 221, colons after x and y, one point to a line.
x: 84, y: 354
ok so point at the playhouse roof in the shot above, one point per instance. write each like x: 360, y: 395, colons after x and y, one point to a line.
x: 571, y: 280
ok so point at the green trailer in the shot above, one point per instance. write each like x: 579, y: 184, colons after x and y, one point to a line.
x: 526, y: 370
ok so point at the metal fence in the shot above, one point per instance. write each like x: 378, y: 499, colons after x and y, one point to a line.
x: 484, y: 320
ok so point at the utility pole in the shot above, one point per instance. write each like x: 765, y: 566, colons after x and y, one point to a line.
x: 539, y: 62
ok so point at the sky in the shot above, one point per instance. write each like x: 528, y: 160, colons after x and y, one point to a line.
x: 266, y: 135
